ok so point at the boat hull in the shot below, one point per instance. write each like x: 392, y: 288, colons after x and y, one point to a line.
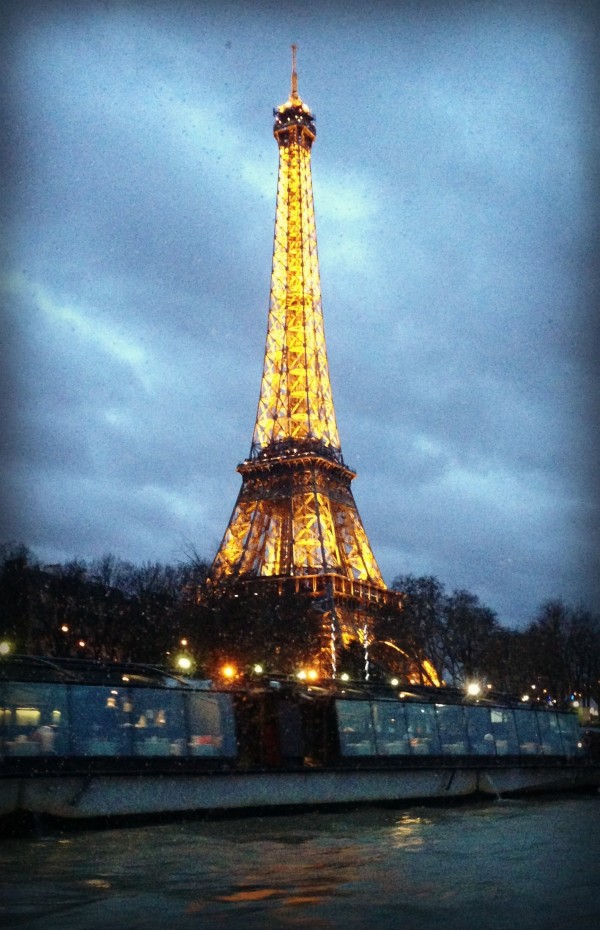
x: 92, y: 795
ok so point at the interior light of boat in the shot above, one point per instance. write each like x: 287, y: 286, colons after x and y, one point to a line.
x: 125, y: 678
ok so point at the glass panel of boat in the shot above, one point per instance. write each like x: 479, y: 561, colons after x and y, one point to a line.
x: 269, y: 730
x: 33, y: 719
x: 453, y: 730
x: 423, y: 730
x: 356, y: 728
x: 99, y: 720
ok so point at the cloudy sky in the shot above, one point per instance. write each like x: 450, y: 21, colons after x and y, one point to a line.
x: 457, y: 216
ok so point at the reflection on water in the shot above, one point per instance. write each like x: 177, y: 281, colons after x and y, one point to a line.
x: 519, y: 865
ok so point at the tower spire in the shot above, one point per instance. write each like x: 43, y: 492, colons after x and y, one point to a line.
x: 294, y: 92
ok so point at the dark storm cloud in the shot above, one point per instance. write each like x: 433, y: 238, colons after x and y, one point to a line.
x: 456, y: 211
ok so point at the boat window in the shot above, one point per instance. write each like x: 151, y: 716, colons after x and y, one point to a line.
x: 571, y: 734
x: 527, y: 731
x: 33, y: 719
x: 479, y: 730
x: 504, y: 730
x: 355, y: 728
x: 211, y: 724
x: 158, y: 724
x: 550, y: 734
x: 100, y: 720
x: 453, y: 732
x: 423, y: 734
x: 391, y: 734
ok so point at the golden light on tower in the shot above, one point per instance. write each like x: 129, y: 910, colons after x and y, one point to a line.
x: 295, y: 402
x: 295, y: 519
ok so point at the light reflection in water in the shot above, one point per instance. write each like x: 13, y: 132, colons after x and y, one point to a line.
x: 408, y: 832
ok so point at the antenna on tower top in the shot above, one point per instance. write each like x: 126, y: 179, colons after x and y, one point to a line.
x: 294, y: 94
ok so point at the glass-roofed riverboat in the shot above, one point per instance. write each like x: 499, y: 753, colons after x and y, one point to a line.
x: 81, y: 740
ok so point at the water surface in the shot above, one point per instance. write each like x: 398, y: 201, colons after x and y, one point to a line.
x: 498, y: 865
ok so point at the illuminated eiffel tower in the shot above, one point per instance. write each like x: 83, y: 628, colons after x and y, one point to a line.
x: 295, y: 525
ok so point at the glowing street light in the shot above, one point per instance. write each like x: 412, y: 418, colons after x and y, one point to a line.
x: 473, y: 689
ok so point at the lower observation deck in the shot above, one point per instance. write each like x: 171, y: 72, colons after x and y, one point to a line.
x: 353, y: 593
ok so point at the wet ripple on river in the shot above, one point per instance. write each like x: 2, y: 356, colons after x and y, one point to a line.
x: 504, y: 865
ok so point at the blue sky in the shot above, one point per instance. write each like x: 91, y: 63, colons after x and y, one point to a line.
x: 454, y: 175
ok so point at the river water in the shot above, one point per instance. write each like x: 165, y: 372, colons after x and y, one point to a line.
x: 529, y: 864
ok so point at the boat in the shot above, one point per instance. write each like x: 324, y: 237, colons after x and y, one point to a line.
x: 82, y: 741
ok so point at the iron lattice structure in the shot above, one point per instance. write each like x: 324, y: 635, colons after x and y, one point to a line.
x: 295, y: 524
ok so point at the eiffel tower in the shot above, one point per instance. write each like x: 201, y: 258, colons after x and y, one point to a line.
x: 295, y: 525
